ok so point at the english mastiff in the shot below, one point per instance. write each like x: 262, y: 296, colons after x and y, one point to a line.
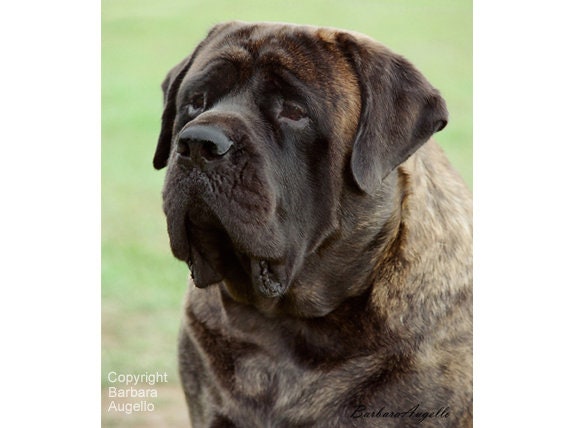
x: 329, y: 239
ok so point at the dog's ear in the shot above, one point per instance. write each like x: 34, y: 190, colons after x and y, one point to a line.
x: 170, y: 87
x: 400, y: 110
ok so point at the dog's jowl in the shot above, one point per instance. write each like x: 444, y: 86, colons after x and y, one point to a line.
x: 328, y: 238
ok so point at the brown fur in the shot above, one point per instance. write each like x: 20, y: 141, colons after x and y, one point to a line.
x: 374, y: 273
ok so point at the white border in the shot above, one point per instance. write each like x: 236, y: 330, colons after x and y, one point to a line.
x: 521, y: 213
x: 50, y: 226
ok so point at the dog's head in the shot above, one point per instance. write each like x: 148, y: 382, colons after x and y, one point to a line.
x: 266, y: 129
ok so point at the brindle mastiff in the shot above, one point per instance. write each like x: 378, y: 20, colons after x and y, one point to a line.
x: 329, y: 241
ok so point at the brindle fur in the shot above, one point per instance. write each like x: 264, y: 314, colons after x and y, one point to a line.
x: 369, y: 223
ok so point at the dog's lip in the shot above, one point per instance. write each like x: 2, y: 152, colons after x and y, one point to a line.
x: 201, y: 270
x: 202, y: 260
x: 269, y: 278
x: 212, y: 252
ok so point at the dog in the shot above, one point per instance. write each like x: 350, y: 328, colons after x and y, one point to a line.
x: 328, y: 238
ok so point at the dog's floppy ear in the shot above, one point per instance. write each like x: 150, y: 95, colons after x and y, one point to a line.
x: 400, y: 110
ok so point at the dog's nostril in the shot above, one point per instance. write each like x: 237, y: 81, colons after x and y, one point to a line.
x: 216, y: 149
x: 183, y: 148
x: 207, y: 142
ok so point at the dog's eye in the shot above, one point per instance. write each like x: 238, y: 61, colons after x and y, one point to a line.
x: 196, y: 104
x: 292, y: 111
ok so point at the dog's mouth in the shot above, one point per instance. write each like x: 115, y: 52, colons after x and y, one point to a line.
x: 226, y: 225
x: 214, y: 257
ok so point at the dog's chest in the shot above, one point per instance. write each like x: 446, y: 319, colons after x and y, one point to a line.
x: 269, y: 381
x: 273, y: 387
x: 253, y: 372
x: 250, y: 373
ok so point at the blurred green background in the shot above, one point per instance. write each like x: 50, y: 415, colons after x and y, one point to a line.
x: 142, y: 284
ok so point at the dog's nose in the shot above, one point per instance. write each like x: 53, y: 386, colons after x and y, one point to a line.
x: 205, y: 142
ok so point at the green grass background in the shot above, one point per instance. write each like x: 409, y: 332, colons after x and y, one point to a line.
x: 142, y: 284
